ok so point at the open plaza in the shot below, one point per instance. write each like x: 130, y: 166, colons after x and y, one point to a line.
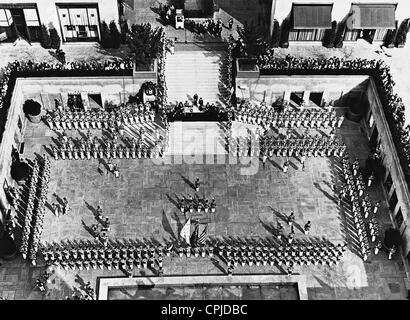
x: 209, y: 172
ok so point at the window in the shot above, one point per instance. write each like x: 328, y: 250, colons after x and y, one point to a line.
x: 351, y: 34
x: 31, y: 16
x: 399, y: 218
x: 79, y: 23
x: 380, y: 34
x: 388, y: 183
x: 7, y: 31
x: 33, y: 24
x: 371, y: 121
x: 306, y: 35
x: 20, y: 124
x: 393, y: 201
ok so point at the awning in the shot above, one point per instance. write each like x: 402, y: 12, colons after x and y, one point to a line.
x: 372, y: 16
x: 312, y: 16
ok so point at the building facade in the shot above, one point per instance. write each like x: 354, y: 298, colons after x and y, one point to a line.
x: 74, y: 20
x: 370, y: 20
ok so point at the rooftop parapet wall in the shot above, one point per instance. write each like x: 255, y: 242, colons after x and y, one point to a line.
x: 333, y: 87
x: 391, y: 162
x: 112, y: 89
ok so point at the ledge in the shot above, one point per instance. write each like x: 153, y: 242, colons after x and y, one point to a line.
x: 104, y: 284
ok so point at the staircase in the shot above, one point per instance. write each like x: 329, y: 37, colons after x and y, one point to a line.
x: 193, y: 70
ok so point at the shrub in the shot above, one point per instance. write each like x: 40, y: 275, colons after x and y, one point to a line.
x: 45, y: 37
x: 329, y: 36
x: 402, y: 33
x: 389, y: 38
x: 275, y: 34
x: 115, y: 35
x: 32, y: 107
x: 19, y: 171
x: 55, y: 39
x: 106, y: 41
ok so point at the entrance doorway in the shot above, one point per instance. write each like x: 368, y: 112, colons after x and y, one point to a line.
x: 19, y: 22
x: 95, y: 101
x: 75, y: 102
x: 316, y: 98
x: 296, y: 98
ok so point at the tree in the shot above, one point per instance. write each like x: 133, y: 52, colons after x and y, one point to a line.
x: 252, y: 39
x: 115, y: 35
x: 55, y: 39
x: 106, y: 41
x: 45, y: 37
x: 340, y: 30
x: 389, y: 38
x: 284, y: 33
x: 145, y: 43
x: 124, y: 30
x: 329, y: 36
x: 275, y: 34
x: 402, y: 33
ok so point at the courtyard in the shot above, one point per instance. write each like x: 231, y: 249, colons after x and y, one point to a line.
x: 141, y: 205
x: 251, y: 197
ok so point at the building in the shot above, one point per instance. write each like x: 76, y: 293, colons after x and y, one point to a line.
x: 75, y: 20
x: 307, y: 20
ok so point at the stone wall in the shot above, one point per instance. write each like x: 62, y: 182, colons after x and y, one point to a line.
x: 271, y: 87
x: 390, y: 161
x: 12, y: 137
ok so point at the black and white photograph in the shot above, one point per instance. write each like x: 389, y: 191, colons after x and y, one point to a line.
x: 214, y: 152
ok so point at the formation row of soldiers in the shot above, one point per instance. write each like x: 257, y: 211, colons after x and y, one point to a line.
x: 13, y: 195
x: 360, y: 204
x: 196, y: 203
x: 293, y: 147
x: 32, y: 194
x: 288, y: 119
x: 288, y: 255
x: 93, y: 255
x: 310, y: 147
x: 88, y: 255
x: 91, y: 119
x: 35, y: 210
x: 139, y: 150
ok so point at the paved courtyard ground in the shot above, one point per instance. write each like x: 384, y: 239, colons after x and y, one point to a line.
x: 140, y: 204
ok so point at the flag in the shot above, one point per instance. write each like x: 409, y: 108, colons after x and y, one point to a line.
x: 186, y: 231
x: 194, y: 237
x: 203, y: 236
